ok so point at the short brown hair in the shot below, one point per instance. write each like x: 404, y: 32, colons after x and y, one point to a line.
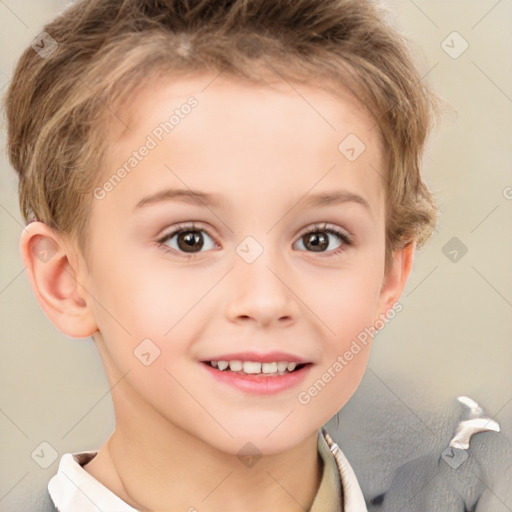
x: 57, y: 107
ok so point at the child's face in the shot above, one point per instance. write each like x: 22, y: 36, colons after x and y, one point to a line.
x: 264, y: 154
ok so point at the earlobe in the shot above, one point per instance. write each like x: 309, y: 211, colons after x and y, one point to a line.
x: 52, y: 269
x: 396, y: 279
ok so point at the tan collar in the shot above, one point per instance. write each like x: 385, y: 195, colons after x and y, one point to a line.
x: 339, y: 489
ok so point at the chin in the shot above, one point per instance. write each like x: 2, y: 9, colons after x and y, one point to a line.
x: 264, y: 437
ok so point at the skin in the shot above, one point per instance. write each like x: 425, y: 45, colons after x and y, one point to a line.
x: 264, y: 149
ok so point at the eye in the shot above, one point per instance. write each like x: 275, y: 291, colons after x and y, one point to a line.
x: 190, y: 240
x: 187, y: 239
x: 324, y: 239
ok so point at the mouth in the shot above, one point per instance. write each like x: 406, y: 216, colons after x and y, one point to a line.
x: 257, y: 368
x: 257, y: 373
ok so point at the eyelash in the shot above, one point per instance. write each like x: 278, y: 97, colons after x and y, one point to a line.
x: 346, y: 238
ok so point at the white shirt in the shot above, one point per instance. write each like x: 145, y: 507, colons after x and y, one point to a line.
x: 73, y: 489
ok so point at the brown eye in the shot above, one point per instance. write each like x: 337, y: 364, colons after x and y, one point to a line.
x: 187, y: 240
x: 322, y: 239
x: 190, y: 241
x: 317, y: 241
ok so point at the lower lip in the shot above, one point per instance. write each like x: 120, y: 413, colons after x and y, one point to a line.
x: 259, y: 384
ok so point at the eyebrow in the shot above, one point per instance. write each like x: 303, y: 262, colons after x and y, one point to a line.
x: 196, y: 197
x: 331, y: 198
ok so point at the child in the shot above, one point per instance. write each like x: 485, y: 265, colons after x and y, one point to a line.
x: 283, y: 139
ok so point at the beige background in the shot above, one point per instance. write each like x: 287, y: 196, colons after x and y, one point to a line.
x: 454, y: 335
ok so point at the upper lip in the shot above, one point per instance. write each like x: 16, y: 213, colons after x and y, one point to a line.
x: 268, y: 357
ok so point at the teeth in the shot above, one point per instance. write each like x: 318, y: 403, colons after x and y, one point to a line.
x: 254, y: 367
x: 269, y: 367
x: 222, y: 365
x: 235, y: 366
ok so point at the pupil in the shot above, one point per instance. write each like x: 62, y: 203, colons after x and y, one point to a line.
x: 188, y: 239
x: 318, y: 241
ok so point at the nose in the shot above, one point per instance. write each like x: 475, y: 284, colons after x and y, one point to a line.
x: 262, y: 293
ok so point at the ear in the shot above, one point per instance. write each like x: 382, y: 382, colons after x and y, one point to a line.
x: 52, y: 267
x: 395, y: 280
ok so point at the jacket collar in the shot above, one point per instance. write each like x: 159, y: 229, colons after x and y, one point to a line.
x: 353, y: 500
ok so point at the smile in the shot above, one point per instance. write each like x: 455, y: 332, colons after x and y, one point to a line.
x: 273, y: 369
x: 257, y: 377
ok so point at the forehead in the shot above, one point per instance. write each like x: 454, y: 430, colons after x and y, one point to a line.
x: 286, y: 133
x: 326, y: 102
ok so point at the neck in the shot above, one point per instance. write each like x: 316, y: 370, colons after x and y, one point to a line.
x: 153, y: 465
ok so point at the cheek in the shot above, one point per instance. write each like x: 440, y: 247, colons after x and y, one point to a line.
x: 345, y: 302
x: 145, y: 309
x: 334, y: 384
x: 145, y: 294
x: 348, y: 334
x: 348, y: 307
